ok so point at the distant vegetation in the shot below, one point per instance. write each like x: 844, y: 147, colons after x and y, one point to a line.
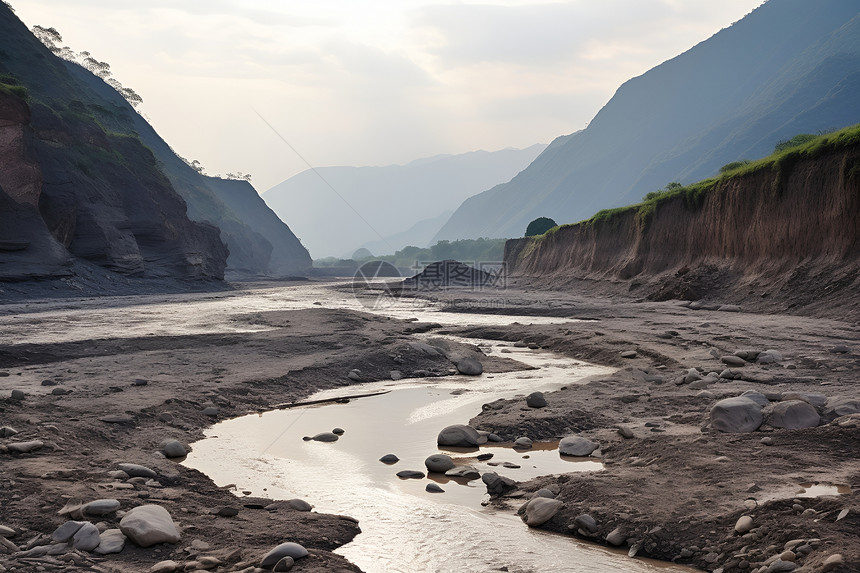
x: 786, y: 154
x: 539, y: 226
x: 10, y: 84
x: 467, y: 251
x: 51, y: 38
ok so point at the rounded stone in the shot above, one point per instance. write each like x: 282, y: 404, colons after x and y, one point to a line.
x: 288, y: 549
x: 536, y: 400
x: 616, y: 537
x: 338, y: 431
x: 284, y: 564
x: 458, y: 435
x: 211, y: 411
x: 299, y: 504
x: 86, y: 538
x: 539, y: 510
x: 523, y: 442
x: 469, y: 366
x: 325, y: 437
x: 434, y: 488
x: 137, y: 470
x: 110, y: 541
x: 389, y: 459
x: 148, y: 525
x: 17, y: 395
x: 576, y: 446
x: 174, y: 449
x: 439, y: 463
x: 793, y: 414
x: 736, y: 415
x: 101, y: 507
x: 586, y: 522
x: 410, y: 474
x: 734, y: 361
x: 744, y: 524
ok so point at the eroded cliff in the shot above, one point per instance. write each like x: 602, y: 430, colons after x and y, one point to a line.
x: 784, y: 235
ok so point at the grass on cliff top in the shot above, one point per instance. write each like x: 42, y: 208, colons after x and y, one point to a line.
x: 695, y: 193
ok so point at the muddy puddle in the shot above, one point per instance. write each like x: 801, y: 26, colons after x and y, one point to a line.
x: 404, y: 527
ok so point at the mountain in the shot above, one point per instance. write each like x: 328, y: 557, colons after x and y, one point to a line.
x: 389, y: 199
x: 789, y: 67
x: 103, y: 187
x: 418, y: 235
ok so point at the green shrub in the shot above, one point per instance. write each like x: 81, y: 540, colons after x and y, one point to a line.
x: 539, y: 226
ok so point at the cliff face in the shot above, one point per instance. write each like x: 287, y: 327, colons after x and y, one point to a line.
x: 789, y: 233
x: 88, y: 172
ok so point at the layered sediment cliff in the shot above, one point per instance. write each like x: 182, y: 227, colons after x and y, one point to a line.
x: 784, y: 234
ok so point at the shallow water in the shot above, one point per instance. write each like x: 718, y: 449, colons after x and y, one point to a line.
x: 206, y: 313
x: 405, y: 528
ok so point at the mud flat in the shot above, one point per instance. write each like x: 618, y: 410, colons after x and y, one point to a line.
x: 675, y: 491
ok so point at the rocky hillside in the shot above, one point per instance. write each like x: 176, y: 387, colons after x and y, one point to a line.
x: 94, y: 182
x: 781, y: 233
x: 789, y: 67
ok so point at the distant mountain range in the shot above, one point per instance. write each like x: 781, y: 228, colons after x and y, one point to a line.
x: 83, y: 177
x: 390, y: 200
x: 789, y: 67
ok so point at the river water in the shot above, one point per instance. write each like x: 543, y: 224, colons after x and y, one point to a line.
x: 404, y: 528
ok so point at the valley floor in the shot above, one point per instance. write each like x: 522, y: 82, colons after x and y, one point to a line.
x: 674, y: 490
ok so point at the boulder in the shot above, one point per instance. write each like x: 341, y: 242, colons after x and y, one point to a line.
x: 734, y: 361
x: 65, y: 532
x: 25, y: 447
x: 147, y: 525
x: 616, y: 537
x: 469, y: 366
x: 586, y: 523
x: 458, y: 435
x: 576, y: 446
x: 100, y: 507
x: 539, y: 510
x: 136, y: 470
x: 836, y: 407
x: 86, y: 538
x: 736, y: 415
x: 544, y: 492
x: 536, y: 400
x: 523, y: 442
x: 287, y: 549
x: 744, y: 524
x: 173, y: 449
x: 439, y: 463
x: 298, y: 504
x: 793, y: 414
x: 110, y: 541
x: 497, y: 484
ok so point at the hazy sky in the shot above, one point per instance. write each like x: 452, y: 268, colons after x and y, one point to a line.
x: 373, y: 82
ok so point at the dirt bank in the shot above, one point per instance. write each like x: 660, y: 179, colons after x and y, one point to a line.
x: 783, y: 238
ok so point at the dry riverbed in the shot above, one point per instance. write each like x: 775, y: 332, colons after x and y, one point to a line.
x: 675, y: 490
